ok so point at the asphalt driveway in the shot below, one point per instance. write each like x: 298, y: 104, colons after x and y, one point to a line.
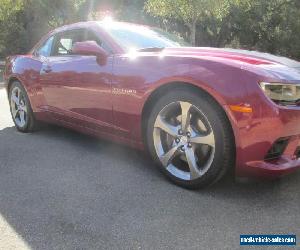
x: 63, y: 190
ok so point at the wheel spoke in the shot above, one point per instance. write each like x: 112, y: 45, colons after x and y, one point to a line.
x: 167, y: 157
x: 15, y: 99
x: 185, y: 115
x: 165, y: 126
x: 206, y: 139
x: 22, y: 116
x: 190, y: 156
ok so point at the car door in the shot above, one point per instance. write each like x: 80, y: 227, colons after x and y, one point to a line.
x: 77, y: 89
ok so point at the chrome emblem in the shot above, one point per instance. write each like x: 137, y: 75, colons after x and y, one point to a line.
x: 121, y: 91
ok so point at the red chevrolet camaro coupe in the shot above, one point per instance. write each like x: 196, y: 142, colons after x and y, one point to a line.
x: 197, y: 111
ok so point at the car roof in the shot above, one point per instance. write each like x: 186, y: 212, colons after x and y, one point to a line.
x: 74, y: 26
x: 93, y: 24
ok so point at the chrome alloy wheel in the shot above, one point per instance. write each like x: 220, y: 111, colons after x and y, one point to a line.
x: 18, y: 107
x: 184, y: 140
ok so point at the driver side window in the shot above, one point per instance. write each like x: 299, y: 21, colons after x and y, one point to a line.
x: 64, y: 41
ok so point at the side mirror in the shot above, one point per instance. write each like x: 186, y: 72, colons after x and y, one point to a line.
x: 90, y: 48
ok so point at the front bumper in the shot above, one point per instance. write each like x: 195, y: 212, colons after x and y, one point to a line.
x: 259, y: 132
x: 282, y: 166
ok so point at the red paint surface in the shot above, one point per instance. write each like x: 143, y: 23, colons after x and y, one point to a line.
x: 108, y: 100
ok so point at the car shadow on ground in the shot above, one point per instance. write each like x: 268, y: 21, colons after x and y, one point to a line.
x: 60, y: 189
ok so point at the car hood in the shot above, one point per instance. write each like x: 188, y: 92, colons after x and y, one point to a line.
x: 246, y: 56
x: 274, y: 66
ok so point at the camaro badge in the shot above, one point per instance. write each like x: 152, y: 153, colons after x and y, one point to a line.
x: 120, y: 91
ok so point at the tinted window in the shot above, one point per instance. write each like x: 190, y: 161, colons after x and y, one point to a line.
x: 65, y: 46
x: 65, y: 41
x: 45, y: 50
x: 90, y: 36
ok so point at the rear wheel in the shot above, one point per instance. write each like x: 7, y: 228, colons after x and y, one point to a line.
x: 190, y: 138
x: 20, y: 108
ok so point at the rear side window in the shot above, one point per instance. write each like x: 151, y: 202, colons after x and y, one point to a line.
x: 45, y: 49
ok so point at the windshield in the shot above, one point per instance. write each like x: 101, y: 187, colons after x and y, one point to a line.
x: 130, y: 36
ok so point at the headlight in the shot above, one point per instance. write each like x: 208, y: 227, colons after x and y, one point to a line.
x: 280, y: 93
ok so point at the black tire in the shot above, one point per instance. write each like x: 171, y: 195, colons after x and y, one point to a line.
x: 224, y: 154
x: 30, y: 122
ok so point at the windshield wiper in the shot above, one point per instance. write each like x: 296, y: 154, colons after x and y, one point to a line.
x: 151, y: 49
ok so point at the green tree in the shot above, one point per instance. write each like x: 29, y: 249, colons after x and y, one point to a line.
x: 41, y: 16
x: 11, y: 29
x: 23, y: 22
x: 190, y: 12
x: 270, y: 26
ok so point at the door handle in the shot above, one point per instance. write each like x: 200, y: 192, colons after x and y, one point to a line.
x: 47, y: 70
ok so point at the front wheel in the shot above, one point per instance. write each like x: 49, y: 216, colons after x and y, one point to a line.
x: 20, y: 108
x: 189, y: 136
